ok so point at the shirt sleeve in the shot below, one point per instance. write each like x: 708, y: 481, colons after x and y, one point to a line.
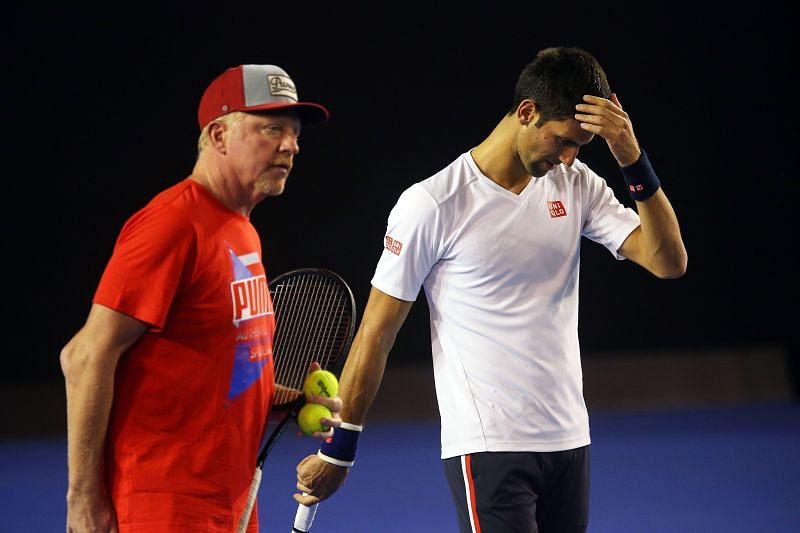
x: 149, y: 260
x: 411, y: 245
x: 608, y: 222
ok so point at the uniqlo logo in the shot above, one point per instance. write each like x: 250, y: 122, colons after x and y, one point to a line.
x: 556, y: 209
x: 636, y: 188
x: 393, y: 245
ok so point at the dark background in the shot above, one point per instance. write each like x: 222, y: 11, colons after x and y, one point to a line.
x: 100, y: 114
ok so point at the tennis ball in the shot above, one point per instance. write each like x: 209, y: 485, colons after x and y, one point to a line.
x: 308, y: 418
x: 321, y: 383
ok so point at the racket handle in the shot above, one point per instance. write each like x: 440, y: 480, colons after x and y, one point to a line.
x: 304, y: 517
x: 251, y: 499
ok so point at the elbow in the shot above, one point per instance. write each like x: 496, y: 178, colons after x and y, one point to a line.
x: 673, y: 267
x: 67, y: 361
x: 75, y: 361
x: 673, y: 273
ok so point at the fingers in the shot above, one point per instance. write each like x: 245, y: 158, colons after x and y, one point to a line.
x: 600, y: 112
x: 307, y: 496
x: 308, y: 475
x: 304, y: 486
x: 332, y: 422
x: 603, y: 102
x: 314, y: 366
x: 317, y: 480
x: 306, y: 499
x: 606, y: 118
x: 334, y: 404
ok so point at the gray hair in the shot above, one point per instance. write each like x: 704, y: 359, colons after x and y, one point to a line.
x: 231, y: 120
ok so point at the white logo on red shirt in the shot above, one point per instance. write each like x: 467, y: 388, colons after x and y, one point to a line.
x: 250, y: 298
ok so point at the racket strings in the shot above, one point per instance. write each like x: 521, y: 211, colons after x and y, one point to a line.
x: 313, y: 315
x: 307, y: 313
x: 316, y: 310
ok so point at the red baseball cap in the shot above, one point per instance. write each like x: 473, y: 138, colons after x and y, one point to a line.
x: 255, y: 88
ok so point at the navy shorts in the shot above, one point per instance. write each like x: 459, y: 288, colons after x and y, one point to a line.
x: 524, y: 492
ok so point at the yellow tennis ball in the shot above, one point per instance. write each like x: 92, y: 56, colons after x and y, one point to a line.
x: 308, y: 418
x: 321, y: 383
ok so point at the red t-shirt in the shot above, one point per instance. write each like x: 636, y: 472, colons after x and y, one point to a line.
x: 192, y: 395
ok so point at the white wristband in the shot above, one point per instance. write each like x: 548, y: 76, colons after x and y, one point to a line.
x: 351, y: 427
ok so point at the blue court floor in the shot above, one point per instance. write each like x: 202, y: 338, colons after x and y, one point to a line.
x: 709, y: 470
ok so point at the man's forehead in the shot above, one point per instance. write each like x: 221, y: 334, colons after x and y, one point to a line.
x: 282, y: 116
x: 571, y: 129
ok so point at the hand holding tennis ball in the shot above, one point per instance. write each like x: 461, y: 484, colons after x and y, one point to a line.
x: 308, y: 419
x: 322, y: 384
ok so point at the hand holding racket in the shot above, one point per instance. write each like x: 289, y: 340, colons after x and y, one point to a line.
x: 306, y: 513
x: 315, y: 318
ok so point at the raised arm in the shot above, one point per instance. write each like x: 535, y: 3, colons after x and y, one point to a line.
x: 360, y: 379
x: 657, y: 244
x: 88, y: 362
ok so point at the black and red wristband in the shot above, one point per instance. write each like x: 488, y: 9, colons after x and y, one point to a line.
x: 641, y: 178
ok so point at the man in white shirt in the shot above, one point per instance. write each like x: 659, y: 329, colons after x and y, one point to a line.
x: 494, y: 240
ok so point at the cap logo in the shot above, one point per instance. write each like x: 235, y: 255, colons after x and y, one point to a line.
x: 281, y: 86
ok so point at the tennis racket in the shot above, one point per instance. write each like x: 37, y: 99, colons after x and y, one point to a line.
x: 315, y: 317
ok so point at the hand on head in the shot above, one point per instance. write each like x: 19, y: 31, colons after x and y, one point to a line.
x: 606, y: 118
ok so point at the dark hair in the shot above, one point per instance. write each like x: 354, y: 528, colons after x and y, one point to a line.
x: 557, y: 79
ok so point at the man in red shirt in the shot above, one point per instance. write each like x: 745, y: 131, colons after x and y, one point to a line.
x: 170, y: 380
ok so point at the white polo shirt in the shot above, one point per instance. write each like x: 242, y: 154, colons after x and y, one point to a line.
x: 500, y: 273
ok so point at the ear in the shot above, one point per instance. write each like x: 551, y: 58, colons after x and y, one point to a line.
x: 527, y: 112
x: 217, y: 138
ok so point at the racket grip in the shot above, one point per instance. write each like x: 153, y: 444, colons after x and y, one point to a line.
x: 251, y: 499
x: 304, y: 517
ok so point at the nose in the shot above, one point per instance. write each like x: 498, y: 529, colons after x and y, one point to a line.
x: 568, y: 155
x: 289, y: 144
